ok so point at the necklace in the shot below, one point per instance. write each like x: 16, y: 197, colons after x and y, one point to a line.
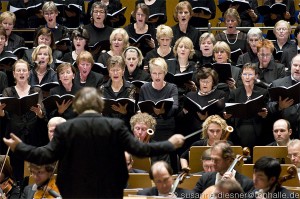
x: 229, y: 41
x: 41, y: 74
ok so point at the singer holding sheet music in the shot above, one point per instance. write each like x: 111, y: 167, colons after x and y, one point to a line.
x: 140, y: 27
x: 201, y: 18
x: 286, y: 108
x: 248, y: 131
x: 31, y: 126
x: 116, y: 87
x: 270, y: 19
x: 112, y: 6
x: 66, y: 75
x: 97, y: 30
x: 191, y: 120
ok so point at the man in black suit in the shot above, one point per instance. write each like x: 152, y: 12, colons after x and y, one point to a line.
x: 266, y: 173
x: 90, y: 149
x: 285, y: 108
x: 161, y: 174
x: 223, y: 156
x: 281, y: 132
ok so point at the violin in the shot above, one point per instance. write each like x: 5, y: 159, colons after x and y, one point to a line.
x: 7, y: 185
x: 47, y: 190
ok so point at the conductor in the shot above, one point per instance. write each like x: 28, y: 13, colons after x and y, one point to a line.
x: 90, y: 149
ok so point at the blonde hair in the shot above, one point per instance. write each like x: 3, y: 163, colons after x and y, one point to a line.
x: 144, y: 118
x: 38, y: 48
x: 124, y: 34
x: 8, y: 15
x: 164, y: 31
x: 159, y: 63
x: 215, y: 119
x: 187, y: 43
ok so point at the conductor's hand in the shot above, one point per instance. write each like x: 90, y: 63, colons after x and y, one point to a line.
x: 12, y: 142
x: 177, y: 140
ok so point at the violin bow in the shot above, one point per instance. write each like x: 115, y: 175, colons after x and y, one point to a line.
x: 5, y: 158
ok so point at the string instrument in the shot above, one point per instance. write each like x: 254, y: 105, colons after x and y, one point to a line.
x: 47, y: 190
x: 209, y: 192
x: 7, y: 184
x: 180, y: 178
x: 292, y: 173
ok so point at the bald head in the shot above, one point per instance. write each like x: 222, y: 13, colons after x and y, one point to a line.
x: 53, y: 122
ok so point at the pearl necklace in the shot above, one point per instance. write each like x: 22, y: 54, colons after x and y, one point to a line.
x: 235, y: 38
x: 41, y: 74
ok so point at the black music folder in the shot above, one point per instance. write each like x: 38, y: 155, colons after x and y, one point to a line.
x: 148, y: 105
x: 109, y: 102
x: 50, y: 102
x: 291, y: 92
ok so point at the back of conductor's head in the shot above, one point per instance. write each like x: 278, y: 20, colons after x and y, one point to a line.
x: 88, y: 98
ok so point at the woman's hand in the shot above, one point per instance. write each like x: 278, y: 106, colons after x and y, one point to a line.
x: 226, y: 116
x: 37, y: 110
x: 121, y: 109
x: 159, y: 111
x: 284, y: 103
x: 191, y: 85
x: 201, y: 116
x: 2, y: 106
x: 287, y: 15
x: 263, y: 113
x: 231, y: 83
x: 61, y: 108
x: 150, y: 43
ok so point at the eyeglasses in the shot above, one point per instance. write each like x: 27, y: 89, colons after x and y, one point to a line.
x: 220, y: 51
x: 293, y: 155
x: 281, y: 29
x: 115, y: 70
x: 247, y: 74
x: 203, y: 81
x: 264, y: 55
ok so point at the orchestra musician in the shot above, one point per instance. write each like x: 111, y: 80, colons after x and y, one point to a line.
x: 7, y: 184
x: 42, y: 175
x: 93, y: 138
x: 266, y: 172
x: 214, y: 128
x: 228, y: 189
x: 294, y: 153
x: 161, y: 174
x: 222, y: 156
x: 140, y: 124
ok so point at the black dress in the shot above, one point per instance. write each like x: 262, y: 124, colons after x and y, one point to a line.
x: 60, y: 90
x: 201, y: 22
x: 191, y: 33
x: 153, y: 54
x: 248, y: 131
x: 28, y: 127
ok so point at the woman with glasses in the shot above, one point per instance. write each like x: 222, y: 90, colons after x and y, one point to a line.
x: 208, y: 80
x: 97, y: 30
x: 268, y: 69
x: 271, y: 19
x: 182, y: 14
x: 233, y: 37
x: 248, y: 132
x: 282, y: 31
x: 116, y: 87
